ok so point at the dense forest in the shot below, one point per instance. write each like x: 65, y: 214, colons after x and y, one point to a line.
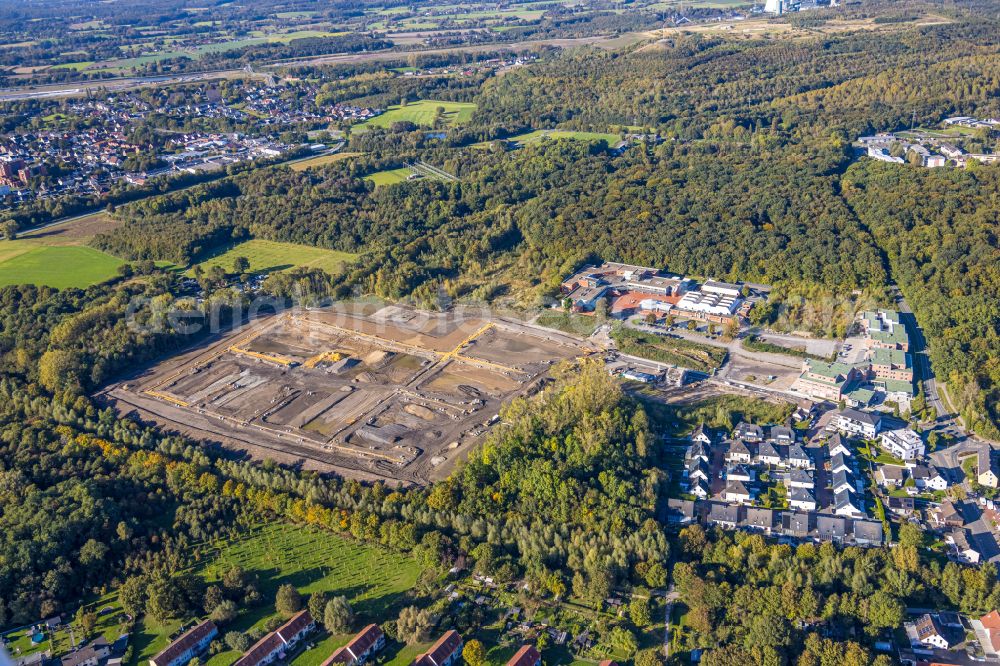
x: 940, y: 231
x: 739, y: 171
x: 122, y: 500
x: 737, y: 165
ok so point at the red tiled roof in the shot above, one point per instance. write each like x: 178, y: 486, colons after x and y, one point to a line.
x: 526, y: 656
x: 184, y: 643
x: 608, y: 662
x: 297, y: 623
x: 991, y: 622
x: 360, y: 644
x: 446, y: 646
x: 260, y: 650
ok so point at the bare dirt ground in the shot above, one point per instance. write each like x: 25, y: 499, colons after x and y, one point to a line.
x: 367, y: 391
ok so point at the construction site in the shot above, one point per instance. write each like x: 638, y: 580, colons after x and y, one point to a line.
x: 368, y: 391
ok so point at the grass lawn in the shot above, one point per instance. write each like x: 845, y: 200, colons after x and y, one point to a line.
x: 670, y: 350
x: 539, y: 135
x: 389, y: 176
x: 34, y: 261
x: 574, y: 324
x: 268, y: 256
x: 110, y: 624
x: 310, y: 559
x: 320, y: 160
x: 423, y: 113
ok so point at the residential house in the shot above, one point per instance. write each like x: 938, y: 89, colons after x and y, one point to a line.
x: 856, y: 423
x: 680, y: 511
x: 782, y: 435
x: 724, y: 515
x: 843, y: 482
x: 900, y: 506
x: 699, y: 489
x: 797, y: 457
x: 801, y: 499
x: 444, y: 652
x: 526, y: 656
x: 739, y: 452
x: 986, y: 469
x: 800, y: 478
x: 701, y: 435
x: 748, y: 432
x: 868, y: 532
x: 844, y: 504
x: 367, y: 642
x: 928, y: 478
x: 276, y: 644
x: 697, y: 469
x: 189, y: 645
x: 991, y: 628
x: 946, y: 514
x: 932, y: 633
x: 740, y: 473
x: 837, y: 445
x: 759, y: 520
x: 768, y: 455
x: 890, y: 476
x: 698, y: 451
x: 831, y: 528
x: 804, y: 410
x: 903, y: 443
x: 737, y: 491
x: 797, y: 525
x: 88, y: 655
x: 965, y: 548
x: 838, y: 463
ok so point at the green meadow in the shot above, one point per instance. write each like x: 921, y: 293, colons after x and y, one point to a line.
x: 423, y: 113
x: 268, y: 256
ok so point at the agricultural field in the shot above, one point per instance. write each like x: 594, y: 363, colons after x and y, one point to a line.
x: 57, y: 256
x: 423, y: 113
x: 268, y: 256
x: 312, y: 560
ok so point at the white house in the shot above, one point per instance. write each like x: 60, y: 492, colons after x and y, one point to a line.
x: 767, y: 454
x: 738, y: 452
x: 844, y: 504
x: 801, y: 499
x: 797, y: 457
x: 932, y: 633
x: 928, y: 478
x: 856, y: 423
x: 903, y: 443
x: 738, y: 492
x: 890, y: 476
x: 836, y: 445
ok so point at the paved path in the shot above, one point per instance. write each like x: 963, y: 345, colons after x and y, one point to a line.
x: 668, y: 609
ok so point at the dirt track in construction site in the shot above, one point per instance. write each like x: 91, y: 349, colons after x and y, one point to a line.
x: 367, y: 391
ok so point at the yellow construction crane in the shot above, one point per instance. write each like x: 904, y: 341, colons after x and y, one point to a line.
x: 328, y: 356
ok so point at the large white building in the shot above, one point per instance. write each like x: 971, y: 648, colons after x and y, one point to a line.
x: 855, y: 423
x: 711, y: 299
x: 903, y: 443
